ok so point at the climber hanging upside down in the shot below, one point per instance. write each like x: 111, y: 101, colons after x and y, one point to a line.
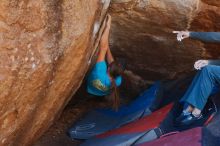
x: 106, y: 75
x: 205, y: 80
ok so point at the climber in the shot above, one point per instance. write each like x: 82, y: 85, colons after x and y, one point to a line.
x: 106, y: 75
x: 206, y: 78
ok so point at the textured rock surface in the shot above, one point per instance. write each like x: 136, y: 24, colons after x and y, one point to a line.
x: 212, y: 2
x: 142, y: 33
x: 46, y: 47
x: 45, y: 51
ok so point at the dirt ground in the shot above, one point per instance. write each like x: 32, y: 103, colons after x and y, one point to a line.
x: 56, y: 135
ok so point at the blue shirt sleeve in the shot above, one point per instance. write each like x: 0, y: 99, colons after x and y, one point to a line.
x: 206, y: 36
x: 214, y: 62
x: 118, y: 81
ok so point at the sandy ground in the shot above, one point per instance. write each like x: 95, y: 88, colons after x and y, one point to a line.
x: 56, y: 135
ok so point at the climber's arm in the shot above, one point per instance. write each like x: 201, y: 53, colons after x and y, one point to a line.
x: 109, y: 56
x: 203, y: 36
x: 214, y: 62
x: 104, y: 43
x: 206, y: 36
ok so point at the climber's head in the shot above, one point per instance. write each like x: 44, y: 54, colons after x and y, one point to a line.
x: 115, y: 69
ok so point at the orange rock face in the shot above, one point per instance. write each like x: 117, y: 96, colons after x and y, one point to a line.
x: 46, y: 48
x: 212, y: 2
x: 142, y: 33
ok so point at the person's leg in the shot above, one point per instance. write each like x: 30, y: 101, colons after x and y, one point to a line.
x: 188, y: 108
x: 198, y: 93
x: 202, y: 86
x: 190, y: 89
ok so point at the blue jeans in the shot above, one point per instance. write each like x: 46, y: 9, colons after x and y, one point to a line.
x: 202, y: 86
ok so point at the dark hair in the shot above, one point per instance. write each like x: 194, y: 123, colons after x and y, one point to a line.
x: 115, y: 69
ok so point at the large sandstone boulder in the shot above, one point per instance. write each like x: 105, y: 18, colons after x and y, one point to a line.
x: 46, y: 48
x: 142, y: 33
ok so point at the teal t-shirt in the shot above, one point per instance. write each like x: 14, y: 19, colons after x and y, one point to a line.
x: 99, y: 82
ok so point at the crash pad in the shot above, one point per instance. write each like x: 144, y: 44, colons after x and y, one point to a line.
x: 129, y: 133
x: 192, y: 137
x: 101, y: 120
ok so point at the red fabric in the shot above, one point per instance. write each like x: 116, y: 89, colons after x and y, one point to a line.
x: 209, y: 119
x: 141, y: 125
x: 190, y: 137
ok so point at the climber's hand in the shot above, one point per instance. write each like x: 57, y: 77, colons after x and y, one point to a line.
x: 200, y: 64
x: 181, y: 35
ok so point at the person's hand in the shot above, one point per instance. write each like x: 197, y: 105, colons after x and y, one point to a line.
x: 181, y: 35
x: 200, y: 64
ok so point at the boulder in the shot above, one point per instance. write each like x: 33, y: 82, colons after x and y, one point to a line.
x: 142, y: 34
x: 46, y: 48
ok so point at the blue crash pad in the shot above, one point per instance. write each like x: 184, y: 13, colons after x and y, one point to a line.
x: 101, y: 120
x: 130, y: 133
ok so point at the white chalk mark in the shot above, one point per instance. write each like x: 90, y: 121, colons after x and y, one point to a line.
x: 96, y: 28
x: 106, y: 3
x: 33, y: 66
